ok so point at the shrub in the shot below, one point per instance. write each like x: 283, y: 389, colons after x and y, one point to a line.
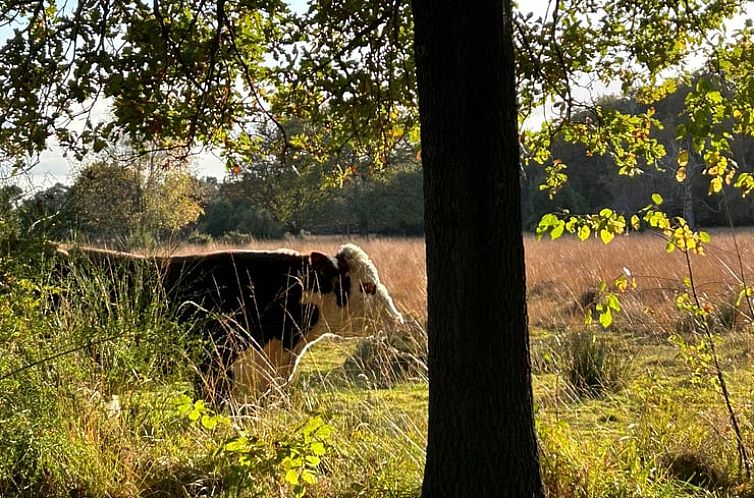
x: 593, y: 367
x: 236, y: 238
x: 695, y: 469
x: 384, y: 361
x: 199, y: 238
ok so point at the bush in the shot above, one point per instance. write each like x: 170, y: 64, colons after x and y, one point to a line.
x: 199, y: 238
x: 593, y: 367
x: 236, y: 238
x: 695, y: 469
x: 384, y: 361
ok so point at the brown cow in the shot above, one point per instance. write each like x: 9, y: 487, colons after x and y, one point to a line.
x: 263, y: 308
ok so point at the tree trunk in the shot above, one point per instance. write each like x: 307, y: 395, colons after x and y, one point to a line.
x: 481, y: 439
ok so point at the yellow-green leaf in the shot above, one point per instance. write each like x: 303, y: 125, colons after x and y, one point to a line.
x: 715, y: 185
x: 291, y: 477
x: 635, y: 222
x: 557, y: 231
x: 209, y: 422
x: 606, y: 318
x: 683, y: 158
x: 613, y: 302
x: 239, y: 444
x: 309, y: 477
x: 606, y: 236
x: 621, y: 283
x: 318, y: 448
x: 680, y: 174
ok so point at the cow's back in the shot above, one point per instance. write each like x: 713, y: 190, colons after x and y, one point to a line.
x: 258, y: 293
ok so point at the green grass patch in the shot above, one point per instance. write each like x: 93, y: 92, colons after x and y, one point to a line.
x: 111, y: 416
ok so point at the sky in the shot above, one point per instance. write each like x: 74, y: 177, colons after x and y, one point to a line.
x: 54, y: 167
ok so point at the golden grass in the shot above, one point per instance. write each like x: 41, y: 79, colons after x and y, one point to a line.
x: 618, y: 444
x: 562, y: 273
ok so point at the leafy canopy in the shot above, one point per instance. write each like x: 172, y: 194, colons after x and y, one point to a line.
x: 335, y: 84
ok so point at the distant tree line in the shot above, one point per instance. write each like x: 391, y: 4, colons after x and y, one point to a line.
x: 147, y: 201
x: 128, y: 206
x: 390, y: 204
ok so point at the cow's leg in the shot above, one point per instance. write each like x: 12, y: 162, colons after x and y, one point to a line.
x: 256, y: 371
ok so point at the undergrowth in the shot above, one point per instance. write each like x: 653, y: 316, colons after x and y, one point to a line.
x: 96, y: 399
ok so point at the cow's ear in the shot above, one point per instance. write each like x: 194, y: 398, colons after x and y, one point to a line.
x: 323, y: 263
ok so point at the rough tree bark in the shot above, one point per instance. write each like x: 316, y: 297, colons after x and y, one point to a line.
x: 481, y: 440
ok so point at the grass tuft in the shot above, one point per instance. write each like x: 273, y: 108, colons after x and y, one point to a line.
x: 593, y: 367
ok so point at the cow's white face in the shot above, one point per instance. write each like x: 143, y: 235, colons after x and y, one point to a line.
x: 365, y: 304
x: 363, y: 307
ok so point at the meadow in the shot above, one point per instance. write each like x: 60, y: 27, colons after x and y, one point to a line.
x: 632, y: 410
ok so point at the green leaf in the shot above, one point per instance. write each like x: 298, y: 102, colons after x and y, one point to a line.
x: 606, y: 318
x: 209, y: 422
x: 309, y: 477
x: 715, y: 97
x: 613, y: 302
x: 621, y: 283
x: 657, y: 198
x: 557, y: 231
x: 683, y: 158
x: 635, y: 222
x: 237, y: 445
x: 291, y: 477
x: 704, y: 237
x: 318, y: 448
x: 312, y: 425
x: 741, y: 296
x: 715, y: 185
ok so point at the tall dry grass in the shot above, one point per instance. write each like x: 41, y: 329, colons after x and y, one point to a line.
x: 61, y: 434
x: 563, y: 275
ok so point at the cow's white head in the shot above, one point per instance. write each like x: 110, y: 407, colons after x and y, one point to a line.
x: 356, y: 302
x: 350, y: 301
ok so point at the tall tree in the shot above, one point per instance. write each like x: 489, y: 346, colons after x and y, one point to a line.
x: 481, y: 439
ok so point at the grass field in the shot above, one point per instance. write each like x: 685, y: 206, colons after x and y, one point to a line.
x: 634, y: 410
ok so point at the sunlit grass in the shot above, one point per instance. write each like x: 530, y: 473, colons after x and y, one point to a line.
x: 73, y: 426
